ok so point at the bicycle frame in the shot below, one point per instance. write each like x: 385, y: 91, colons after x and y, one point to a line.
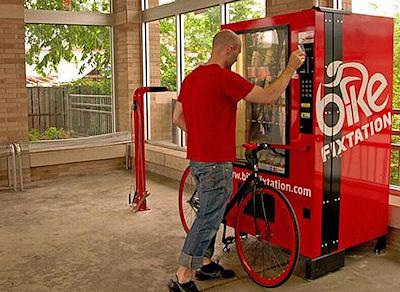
x: 237, y: 197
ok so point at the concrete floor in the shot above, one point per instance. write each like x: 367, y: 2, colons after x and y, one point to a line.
x: 77, y: 234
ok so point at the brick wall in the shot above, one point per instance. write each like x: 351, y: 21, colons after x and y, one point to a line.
x: 128, y: 57
x: 161, y: 116
x: 346, y: 5
x: 13, y: 99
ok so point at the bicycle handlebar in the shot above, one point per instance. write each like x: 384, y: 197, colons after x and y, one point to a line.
x: 157, y: 88
x: 252, y: 149
x: 139, y: 92
x: 263, y: 146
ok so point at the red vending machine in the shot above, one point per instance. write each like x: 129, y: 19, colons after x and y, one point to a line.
x: 339, y: 105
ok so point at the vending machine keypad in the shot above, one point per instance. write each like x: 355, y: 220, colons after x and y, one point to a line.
x: 306, y: 72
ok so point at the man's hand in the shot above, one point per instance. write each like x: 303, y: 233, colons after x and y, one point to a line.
x: 177, y: 118
x: 296, y: 59
x: 271, y: 93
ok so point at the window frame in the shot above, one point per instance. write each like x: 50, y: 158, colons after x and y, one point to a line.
x: 175, y: 9
x: 80, y: 18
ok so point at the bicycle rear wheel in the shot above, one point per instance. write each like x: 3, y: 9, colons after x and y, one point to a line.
x: 188, y: 200
x: 267, y: 237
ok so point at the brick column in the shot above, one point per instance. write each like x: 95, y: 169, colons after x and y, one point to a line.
x: 285, y: 6
x: 128, y: 57
x: 13, y: 96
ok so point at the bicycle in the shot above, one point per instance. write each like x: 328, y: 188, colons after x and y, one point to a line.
x: 266, y: 229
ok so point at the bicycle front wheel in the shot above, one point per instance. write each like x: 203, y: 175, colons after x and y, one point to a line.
x: 267, y: 237
x: 188, y: 198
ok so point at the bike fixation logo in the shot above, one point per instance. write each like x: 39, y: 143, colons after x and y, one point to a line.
x: 350, y: 105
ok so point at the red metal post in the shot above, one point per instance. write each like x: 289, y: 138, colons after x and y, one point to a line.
x: 139, y: 200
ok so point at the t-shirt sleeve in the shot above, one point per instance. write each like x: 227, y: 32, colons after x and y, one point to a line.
x: 235, y: 86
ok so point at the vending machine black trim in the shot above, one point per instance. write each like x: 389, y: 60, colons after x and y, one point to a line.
x: 332, y: 166
x: 287, y: 93
x: 314, y: 268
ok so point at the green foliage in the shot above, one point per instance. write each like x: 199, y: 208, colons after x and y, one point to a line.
x: 199, y: 29
x: 245, y: 9
x: 394, y: 165
x: 102, y: 87
x: 76, y: 5
x: 168, y: 53
x: 67, y: 42
x: 396, y: 63
x: 51, y: 133
x: 64, y: 42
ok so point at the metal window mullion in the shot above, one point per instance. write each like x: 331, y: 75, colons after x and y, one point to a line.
x: 113, y: 102
x: 67, y: 17
x: 179, y: 7
x: 337, y: 4
x: 180, y: 64
x: 340, y: 4
x: 224, y: 13
x: 146, y: 79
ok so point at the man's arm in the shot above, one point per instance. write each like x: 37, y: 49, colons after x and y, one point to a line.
x: 177, y: 118
x: 269, y: 94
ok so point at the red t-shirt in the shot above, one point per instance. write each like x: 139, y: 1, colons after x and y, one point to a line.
x: 209, y: 96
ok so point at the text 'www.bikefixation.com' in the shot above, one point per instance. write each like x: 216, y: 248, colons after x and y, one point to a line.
x: 277, y: 184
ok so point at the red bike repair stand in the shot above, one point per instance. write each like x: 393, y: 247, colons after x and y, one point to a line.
x: 137, y: 201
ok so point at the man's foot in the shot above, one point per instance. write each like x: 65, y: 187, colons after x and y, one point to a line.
x: 212, y: 271
x: 175, y: 286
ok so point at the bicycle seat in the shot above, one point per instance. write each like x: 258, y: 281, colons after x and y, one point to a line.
x: 250, y: 146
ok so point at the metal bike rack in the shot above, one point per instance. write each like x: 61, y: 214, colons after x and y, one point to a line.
x: 18, y: 158
x: 13, y: 168
x: 13, y: 155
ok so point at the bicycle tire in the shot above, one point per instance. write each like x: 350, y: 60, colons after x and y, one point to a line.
x: 187, y: 209
x: 270, y: 254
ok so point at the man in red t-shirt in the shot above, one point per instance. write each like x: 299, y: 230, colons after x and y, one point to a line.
x: 206, y: 110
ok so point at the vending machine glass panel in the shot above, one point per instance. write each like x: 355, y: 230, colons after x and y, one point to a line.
x: 263, y: 58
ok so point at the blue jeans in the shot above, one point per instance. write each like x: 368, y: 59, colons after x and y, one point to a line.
x: 214, y: 185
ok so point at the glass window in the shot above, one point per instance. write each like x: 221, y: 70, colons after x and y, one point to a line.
x: 163, y: 71
x: 245, y: 10
x: 263, y: 58
x: 375, y: 7
x: 70, y: 5
x: 389, y: 8
x: 154, y: 3
x: 69, y: 80
x: 199, y: 30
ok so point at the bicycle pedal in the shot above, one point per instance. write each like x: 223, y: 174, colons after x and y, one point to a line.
x: 226, y: 248
x: 228, y: 240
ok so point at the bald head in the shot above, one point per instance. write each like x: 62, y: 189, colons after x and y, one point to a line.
x: 226, y: 48
x: 225, y: 38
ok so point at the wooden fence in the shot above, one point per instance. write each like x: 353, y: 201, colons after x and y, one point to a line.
x: 47, y: 107
x: 85, y: 115
x: 89, y: 115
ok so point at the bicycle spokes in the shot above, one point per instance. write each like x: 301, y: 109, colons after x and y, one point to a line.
x: 194, y: 201
x: 189, y: 202
x: 270, y: 250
